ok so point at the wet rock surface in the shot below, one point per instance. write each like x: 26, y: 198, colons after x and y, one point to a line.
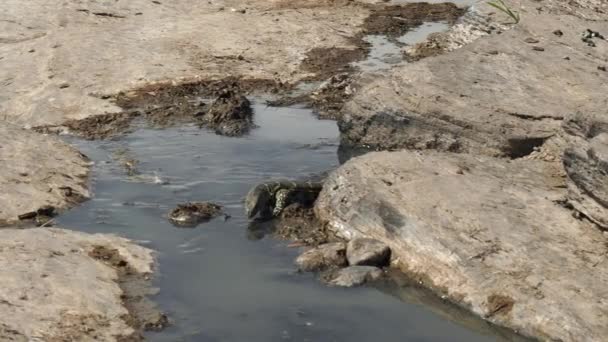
x: 368, y: 252
x: 38, y: 171
x: 456, y: 221
x: 328, y: 255
x: 352, y: 276
x: 296, y: 223
x: 192, y: 214
x: 230, y: 114
x: 84, y: 290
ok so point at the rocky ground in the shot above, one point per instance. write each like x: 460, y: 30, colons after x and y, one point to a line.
x: 59, y: 285
x: 498, y: 202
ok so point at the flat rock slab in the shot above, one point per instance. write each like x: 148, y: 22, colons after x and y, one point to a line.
x: 490, y: 234
x: 52, y: 286
x: 38, y: 170
x: 368, y: 252
x: 500, y: 95
x: 322, y: 257
x: 353, y: 276
x: 60, y: 60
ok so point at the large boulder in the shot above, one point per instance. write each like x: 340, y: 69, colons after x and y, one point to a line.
x: 502, y: 94
x: 61, y: 285
x: 492, y: 235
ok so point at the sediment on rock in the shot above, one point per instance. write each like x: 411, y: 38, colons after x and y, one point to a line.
x: 83, y: 289
x: 229, y: 114
x: 488, y: 234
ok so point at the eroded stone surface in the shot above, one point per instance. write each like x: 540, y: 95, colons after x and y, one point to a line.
x: 586, y: 164
x: 56, y: 288
x: 38, y: 171
x: 368, y: 252
x: 490, y: 234
x: 497, y: 95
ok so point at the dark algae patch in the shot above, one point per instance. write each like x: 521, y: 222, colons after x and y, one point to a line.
x: 395, y: 21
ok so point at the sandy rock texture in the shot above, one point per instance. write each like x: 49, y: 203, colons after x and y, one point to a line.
x: 55, y: 289
x: 38, y: 170
x: 586, y: 163
x: 504, y: 92
x: 78, y: 52
x: 492, y: 235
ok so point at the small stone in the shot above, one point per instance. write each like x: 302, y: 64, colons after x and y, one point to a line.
x: 531, y: 40
x: 538, y: 48
x: 64, y: 85
x: 601, y: 68
x: 558, y: 33
x: 368, y: 252
x: 193, y: 213
x: 353, y: 276
x: 567, y: 58
x: 323, y: 257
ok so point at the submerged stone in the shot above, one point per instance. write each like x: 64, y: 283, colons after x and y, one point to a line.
x: 352, y: 276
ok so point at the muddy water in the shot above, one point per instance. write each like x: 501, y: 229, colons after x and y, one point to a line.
x: 385, y: 52
x: 215, y: 283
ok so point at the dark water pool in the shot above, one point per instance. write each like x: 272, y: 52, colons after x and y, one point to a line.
x: 215, y: 283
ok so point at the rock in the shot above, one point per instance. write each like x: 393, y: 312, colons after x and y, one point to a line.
x: 352, y: 276
x: 586, y: 164
x: 368, y: 252
x: 36, y: 171
x: 330, y: 96
x: 60, y: 285
x: 230, y: 114
x: 471, y: 99
x: 322, y: 257
x: 193, y: 213
x: 207, y: 47
x: 489, y: 234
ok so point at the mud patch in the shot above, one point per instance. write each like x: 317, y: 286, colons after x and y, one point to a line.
x: 499, y: 305
x: 326, y: 62
x: 230, y: 114
x: 297, y: 224
x: 395, y: 21
x: 143, y: 314
x: 163, y: 105
x: 95, y: 127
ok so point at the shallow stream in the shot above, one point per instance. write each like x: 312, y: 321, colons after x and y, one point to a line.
x: 215, y: 283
